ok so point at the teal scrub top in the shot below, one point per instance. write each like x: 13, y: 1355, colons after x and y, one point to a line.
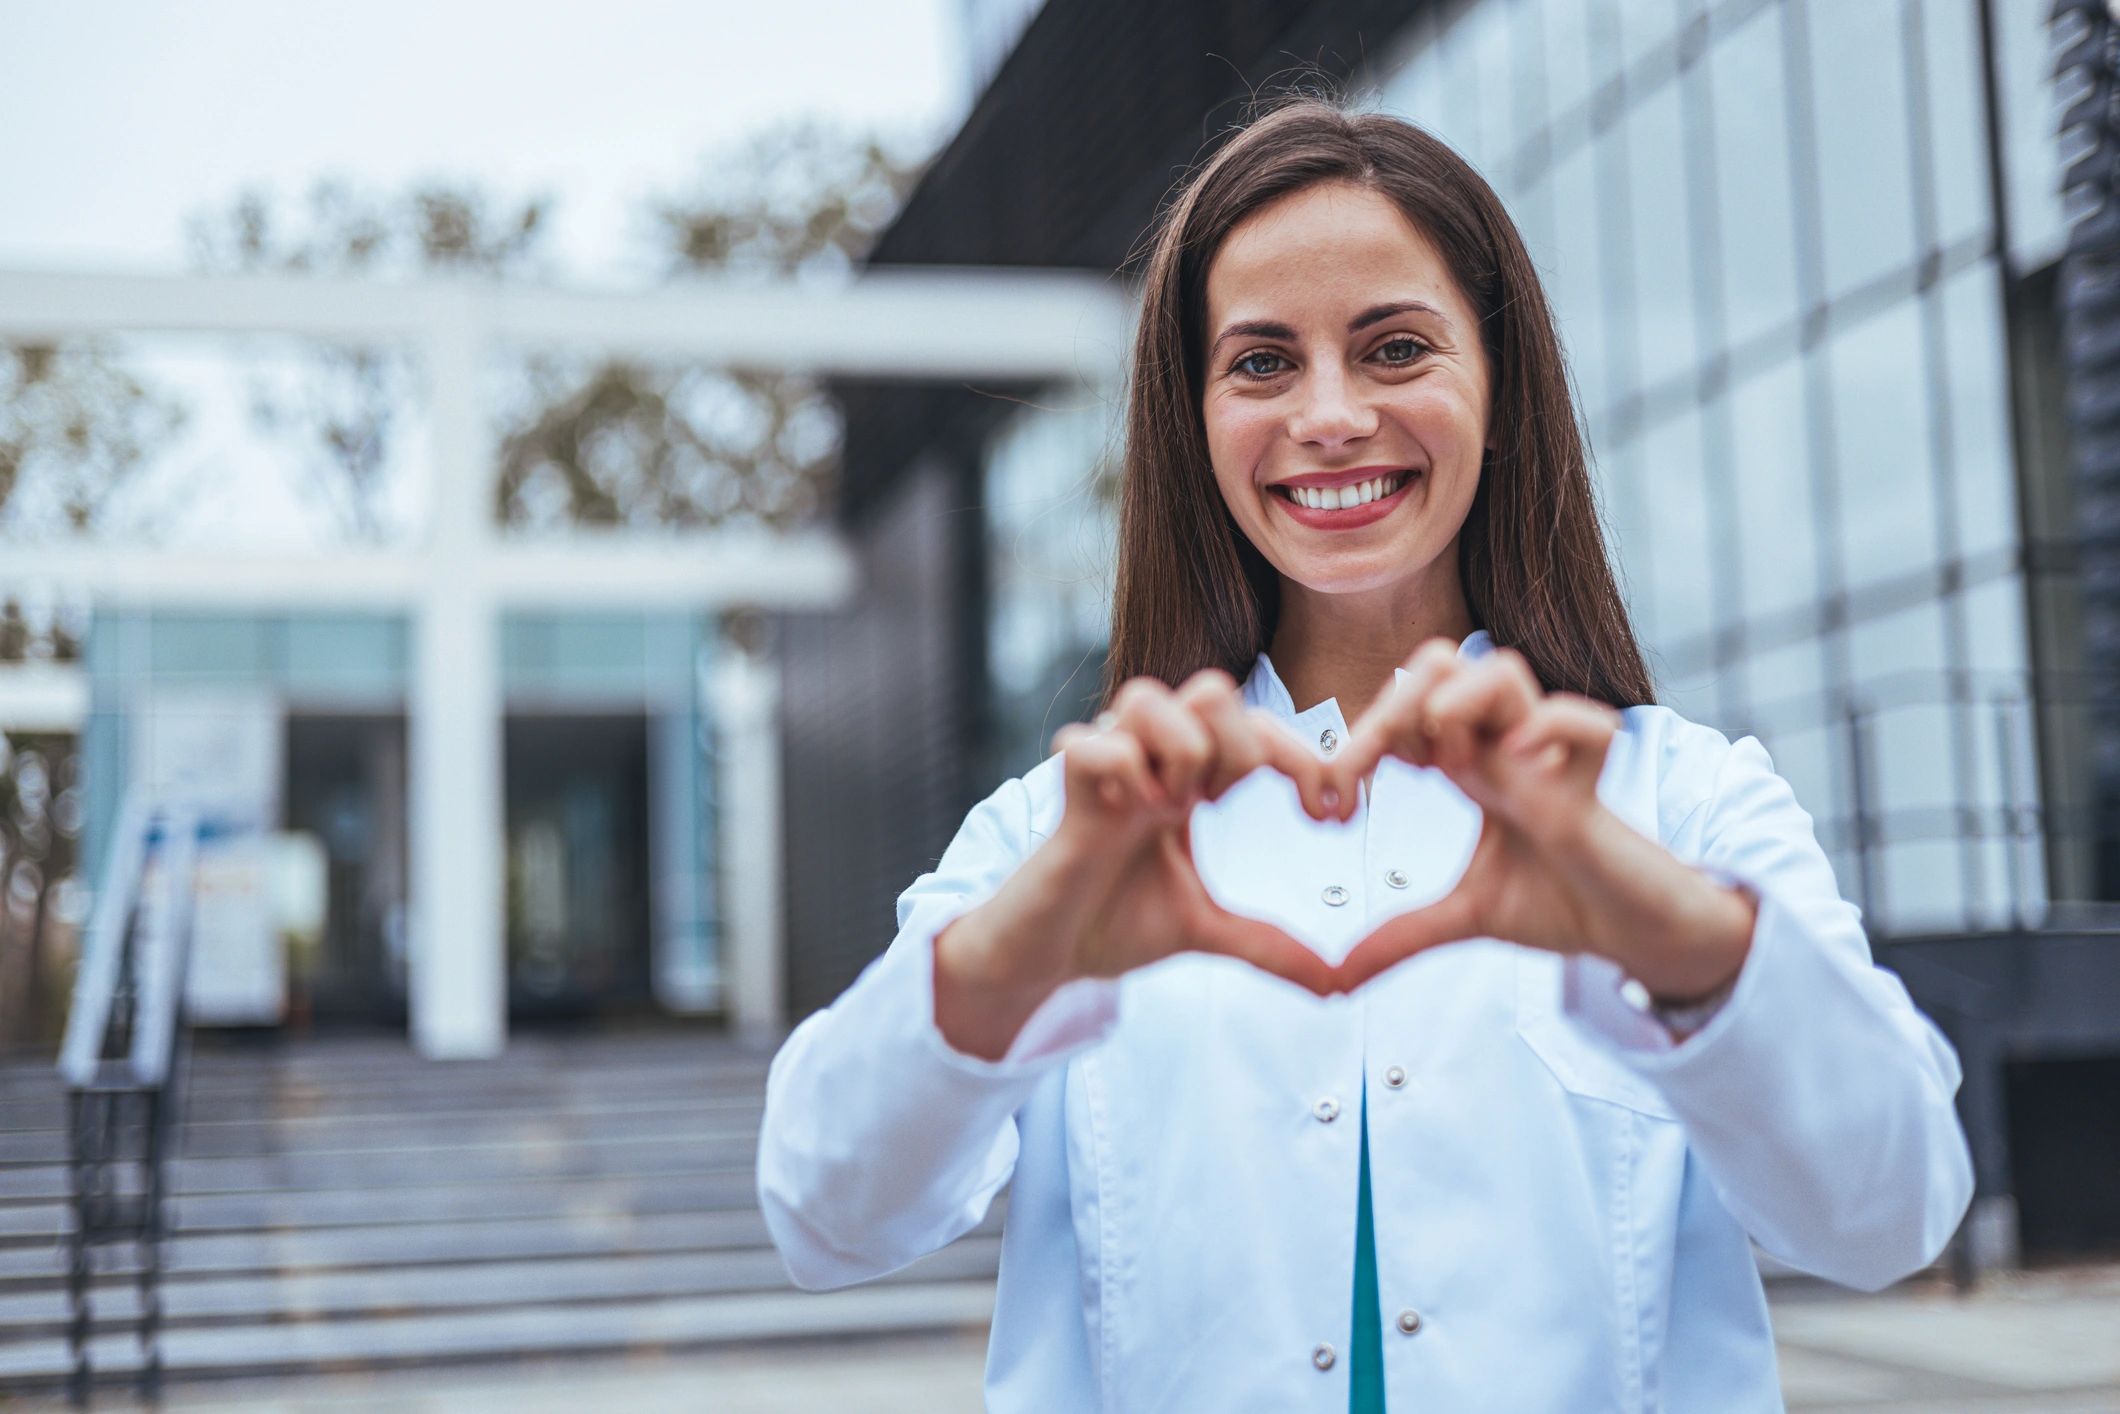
x: 1366, y: 1385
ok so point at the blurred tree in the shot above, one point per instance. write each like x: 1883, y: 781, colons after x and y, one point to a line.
x: 75, y: 426
x: 40, y: 821
x: 619, y: 443
x: 342, y: 401
x: 589, y: 441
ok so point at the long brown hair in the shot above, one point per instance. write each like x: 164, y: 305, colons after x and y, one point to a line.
x: 1192, y: 590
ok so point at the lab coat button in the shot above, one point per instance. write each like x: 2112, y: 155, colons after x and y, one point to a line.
x: 1395, y: 1077
x: 1409, y: 1321
x: 1327, y: 1110
x: 1396, y: 878
x: 1323, y: 1357
x: 1329, y: 741
x: 1335, y: 895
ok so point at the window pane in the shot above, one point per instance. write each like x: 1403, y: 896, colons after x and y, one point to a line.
x: 1865, y: 179
x: 2031, y: 153
x: 1496, y: 81
x: 1663, y: 248
x: 1785, y: 686
x: 1461, y: 90
x: 1568, y: 51
x: 1574, y: 281
x: 1675, y: 513
x: 1884, y: 471
x: 1756, y: 215
x: 1644, y: 24
x: 1616, y: 264
x: 1620, y: 494
x: 1958, y: 157
x: 1983, y: 463
x: 1994, y: 627
x: 1415, y: 91
x: 1773, y: 479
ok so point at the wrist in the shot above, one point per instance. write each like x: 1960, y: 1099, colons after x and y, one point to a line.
x: 1682, y: 934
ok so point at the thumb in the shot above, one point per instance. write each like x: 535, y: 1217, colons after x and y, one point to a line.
x: 1447, y: 920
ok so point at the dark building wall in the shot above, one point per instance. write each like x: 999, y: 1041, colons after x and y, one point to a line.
x: 880, y: 710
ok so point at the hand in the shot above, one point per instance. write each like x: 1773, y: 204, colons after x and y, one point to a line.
x: 1132, y: 781
x: 1553, y: 867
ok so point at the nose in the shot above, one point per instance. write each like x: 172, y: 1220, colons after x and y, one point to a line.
x: 1331, y: 415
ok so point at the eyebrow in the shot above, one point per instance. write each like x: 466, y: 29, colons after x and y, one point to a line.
x: 1375, y: 314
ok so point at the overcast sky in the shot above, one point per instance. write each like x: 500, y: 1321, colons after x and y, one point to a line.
x: 118, y: 118
x: 121, y: 118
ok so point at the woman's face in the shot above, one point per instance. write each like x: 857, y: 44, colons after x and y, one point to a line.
x: 1345, y: 394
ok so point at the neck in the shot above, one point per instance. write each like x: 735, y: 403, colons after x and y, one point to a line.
x: 1345, y: 646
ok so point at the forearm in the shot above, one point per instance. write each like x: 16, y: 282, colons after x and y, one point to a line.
x: 995, y: 966
x: 1679, y: 932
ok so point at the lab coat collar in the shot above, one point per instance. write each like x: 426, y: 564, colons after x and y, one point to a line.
x: 1264, y: 687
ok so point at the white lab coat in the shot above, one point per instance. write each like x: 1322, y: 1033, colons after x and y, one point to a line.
x: 1564, y: 1202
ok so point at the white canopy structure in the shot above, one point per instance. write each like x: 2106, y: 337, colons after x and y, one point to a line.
x: 454, y: 583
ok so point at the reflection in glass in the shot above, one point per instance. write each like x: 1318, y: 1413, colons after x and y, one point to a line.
x: 1983, y: 463
x: 1573, y: 279
x: 1957, y: 117
x: 2031, y: 157
x: 1756, y: 215
x: 1570, y: 53
x: 1865, y: 177
x: 1621, y: 496
x: 1662, y: 238
x: 1773, y: 478
x: 1675, y: 494
x: 1643, y: 25
x: 1884, y: 471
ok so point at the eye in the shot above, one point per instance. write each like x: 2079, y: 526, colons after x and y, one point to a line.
x: 1401, y: 350
x: 1250, y: 366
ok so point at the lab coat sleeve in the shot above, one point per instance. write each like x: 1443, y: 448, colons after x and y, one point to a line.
x: 1818, y: 1098
x: 880, y: 1141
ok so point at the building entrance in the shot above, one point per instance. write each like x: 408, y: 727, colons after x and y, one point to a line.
x: 577, y: 865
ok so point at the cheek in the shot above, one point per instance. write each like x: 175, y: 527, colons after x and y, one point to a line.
x: 1449, y: 417
x: 1238, y: 435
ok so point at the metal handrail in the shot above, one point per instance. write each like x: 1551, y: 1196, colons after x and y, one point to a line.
x: 121, y: 1059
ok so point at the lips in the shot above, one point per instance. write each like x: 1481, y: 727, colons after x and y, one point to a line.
x: 1327, y: 500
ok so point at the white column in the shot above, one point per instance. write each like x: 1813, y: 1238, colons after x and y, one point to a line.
x: 743, y: 689
x: 458, y: 944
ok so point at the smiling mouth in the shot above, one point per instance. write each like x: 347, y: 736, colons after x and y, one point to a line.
x: 1330, y: 498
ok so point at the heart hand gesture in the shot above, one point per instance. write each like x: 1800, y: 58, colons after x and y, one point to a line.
x: 1553, y: 868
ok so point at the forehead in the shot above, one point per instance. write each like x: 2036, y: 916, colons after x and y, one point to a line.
x: 1327, y: 248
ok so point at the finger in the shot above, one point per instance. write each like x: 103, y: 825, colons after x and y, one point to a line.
x: 1214, y: 699
x: 1179, y: 748
x: 1248, y: 738
x: 1391, y: 726
x: 1265, y: 947
x: 1449, y: 919
x: 1484, y: 702
x: 1292, y: 756
x: 1112, y: 766
x: 1565, y: 729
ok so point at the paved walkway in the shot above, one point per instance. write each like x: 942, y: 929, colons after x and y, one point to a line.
x: 2045, y: 1343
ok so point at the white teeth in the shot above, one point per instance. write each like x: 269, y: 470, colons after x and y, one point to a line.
x: 1330, y: 498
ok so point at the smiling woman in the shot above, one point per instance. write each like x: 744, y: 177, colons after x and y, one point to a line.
x: 1458, y: 1057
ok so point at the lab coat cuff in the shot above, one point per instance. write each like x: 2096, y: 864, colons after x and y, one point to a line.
x: 1078, y: 1014
x: 1598, y: 996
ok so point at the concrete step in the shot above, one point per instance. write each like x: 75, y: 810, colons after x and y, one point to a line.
x: 661, y: 1325
x: 451, y: 1287
x: 347, y: 1204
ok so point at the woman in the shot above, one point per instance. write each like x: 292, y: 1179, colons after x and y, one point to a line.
x: 1314, y: 1158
